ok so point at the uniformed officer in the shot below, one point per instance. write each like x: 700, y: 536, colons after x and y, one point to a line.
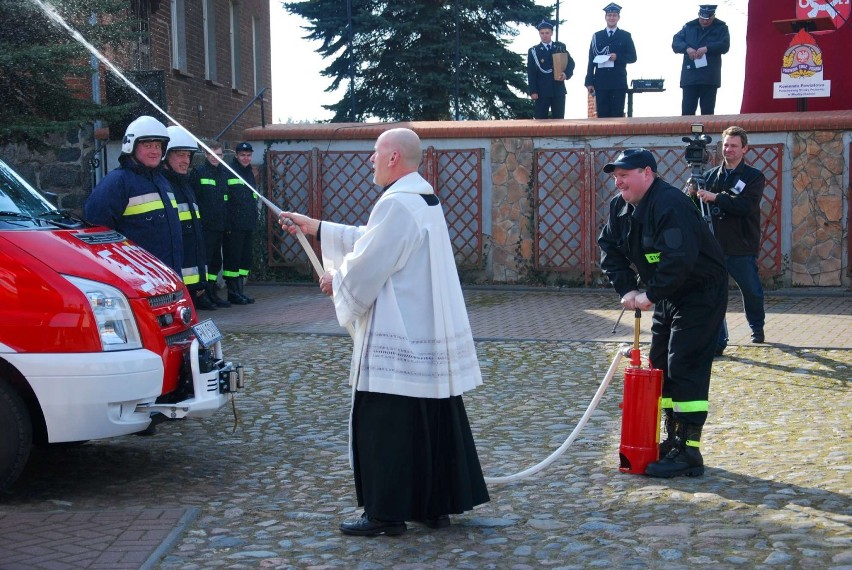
x: 179, y: 152
x: 210, y: 182
x: 702, y: 43
x: 606, y: 75
x: 656, y: 228
x: 239, y: 229
x: 135, y: 199
x: 547, y: 93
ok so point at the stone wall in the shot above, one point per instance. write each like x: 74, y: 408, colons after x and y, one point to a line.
x: 512, y: 239
x: 63, y: 169
x: 818, y: 237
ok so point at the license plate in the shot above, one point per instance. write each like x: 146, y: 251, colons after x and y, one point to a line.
x: 207, y: 333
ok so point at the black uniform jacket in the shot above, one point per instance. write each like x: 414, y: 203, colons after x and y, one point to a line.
x: 737, y: 225
x: 716, y: 38
x: 540, y: 70
x: 211, y: 190
x: 664, y: 237
x: 621, y: 44
x: 242, y: 203
x: 194, y: 259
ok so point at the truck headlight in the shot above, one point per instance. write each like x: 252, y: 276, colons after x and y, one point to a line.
x: 115, y: 320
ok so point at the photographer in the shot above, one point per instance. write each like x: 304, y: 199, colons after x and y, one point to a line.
x: 733, y: 191
x: 653, y: 229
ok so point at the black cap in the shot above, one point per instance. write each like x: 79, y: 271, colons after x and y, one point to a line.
x: 612, y: 7
x: 631, y: 159
x: 544, y: 24
x: 706, y: 10
x: 244, y: 146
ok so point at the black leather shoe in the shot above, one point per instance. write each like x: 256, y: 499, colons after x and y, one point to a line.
x: 365, y: 526
x: 757, y: 336
x: 442, y: 521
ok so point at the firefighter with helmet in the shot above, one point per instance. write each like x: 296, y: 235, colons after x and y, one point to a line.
x: 136, y: 200
x: 179, y: 153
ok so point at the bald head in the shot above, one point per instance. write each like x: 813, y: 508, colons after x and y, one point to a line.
x: 398, y: 152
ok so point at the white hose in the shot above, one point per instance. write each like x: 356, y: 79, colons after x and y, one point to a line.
x: 580, y: 425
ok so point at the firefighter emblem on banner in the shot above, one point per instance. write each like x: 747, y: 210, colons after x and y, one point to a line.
x: 838, y: 10
x: 802, y: 70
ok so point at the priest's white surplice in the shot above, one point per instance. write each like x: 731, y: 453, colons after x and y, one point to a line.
x: 396, y: 280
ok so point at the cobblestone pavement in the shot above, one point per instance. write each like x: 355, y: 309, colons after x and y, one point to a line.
x: 270, y: 487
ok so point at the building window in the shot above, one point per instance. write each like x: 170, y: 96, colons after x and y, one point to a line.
x: 179, y: 36
x: 257, y: 58
x: 236, y: 68
x: 209, y: 15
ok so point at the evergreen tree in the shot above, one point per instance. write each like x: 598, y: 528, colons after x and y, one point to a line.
x: 404, y: 56
x: 40, y: 63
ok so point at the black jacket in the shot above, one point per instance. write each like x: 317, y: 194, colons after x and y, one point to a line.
x: 210, y: 184
x: 194, y: 270
x: 666, y: 240
x: 716, y: 38
x: 737, y: 222
x: 540, y: 70
x: 242, y: 203
x: 621, y: 44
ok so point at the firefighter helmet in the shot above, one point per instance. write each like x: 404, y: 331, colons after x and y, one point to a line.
x: 144, y: 128
x: 180, y: 139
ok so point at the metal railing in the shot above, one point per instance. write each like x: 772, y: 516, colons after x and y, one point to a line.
x: 246, y: 108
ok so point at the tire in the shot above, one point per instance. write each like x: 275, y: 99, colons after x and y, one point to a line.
x: 16, y: 435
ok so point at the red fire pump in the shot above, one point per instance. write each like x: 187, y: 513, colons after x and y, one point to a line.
x: 640, y: 416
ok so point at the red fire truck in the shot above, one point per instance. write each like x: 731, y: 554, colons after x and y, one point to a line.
x: 97, y: 337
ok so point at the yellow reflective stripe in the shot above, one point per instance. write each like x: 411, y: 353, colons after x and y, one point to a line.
x: 173, y: 200
x: 230, y: 273
x: 695, y: 406
x: 144, y: 203
x: 185, y: 213
x: 190, y: 275
x: 212, y: 277
x: 652, y: 257
x: 226, y: 197
x: 234, y: 181
x: 666, y: 403
x: 693, y: 443
x: 207, y: 181
x: 244, y: 272
x: 185, y: 216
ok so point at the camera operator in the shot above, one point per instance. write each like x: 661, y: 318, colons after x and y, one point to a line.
x: 733, y: 191
x: 654, y: 229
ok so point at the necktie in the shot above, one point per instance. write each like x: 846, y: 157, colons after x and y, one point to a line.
x: 611, y: 32
x: 548, y: 47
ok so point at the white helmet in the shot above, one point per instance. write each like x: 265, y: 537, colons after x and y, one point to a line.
x: 180, y: 139
x: 144, y: 128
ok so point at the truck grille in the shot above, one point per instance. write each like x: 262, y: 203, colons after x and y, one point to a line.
x: 158, y: 301
x: 179, y: 338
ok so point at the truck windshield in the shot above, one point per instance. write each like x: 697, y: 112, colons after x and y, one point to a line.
x: 17, y: 196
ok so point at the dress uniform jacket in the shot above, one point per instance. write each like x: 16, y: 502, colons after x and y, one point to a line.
x: 242, y: 203
x: 194, y: 269
x: 211, y: 190
x: 621, y: 44
x: 138, y: 203
x: 716, y: 38
x: 666, y: 240
x: 738, y: 195
x: 540, y: 70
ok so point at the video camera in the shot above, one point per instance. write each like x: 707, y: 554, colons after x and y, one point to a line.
x: 696, y: 148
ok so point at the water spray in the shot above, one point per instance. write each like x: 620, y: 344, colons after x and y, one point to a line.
x: 52, y: 13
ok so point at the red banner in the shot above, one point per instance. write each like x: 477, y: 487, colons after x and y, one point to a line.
x: 766, y: 45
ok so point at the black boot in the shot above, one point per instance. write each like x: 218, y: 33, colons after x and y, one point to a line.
x: 214, y: 295
x: 202, y: 301
x: 234, y: 296
x: 243, y: 291
x: 671, y: 433
x: 684, y: 458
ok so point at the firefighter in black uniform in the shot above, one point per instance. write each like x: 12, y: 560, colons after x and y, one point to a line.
x: 210, y: 182
x: 657, y: 229
x: 547, y: 93
x: 607, y: 80
x: 175, y: 168
x: 242, y: 219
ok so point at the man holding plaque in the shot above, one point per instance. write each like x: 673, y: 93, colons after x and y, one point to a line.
x: 549, y: 65
x: 606, y: 76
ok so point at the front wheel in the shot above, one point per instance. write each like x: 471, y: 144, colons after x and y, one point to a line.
x: 16, y: 435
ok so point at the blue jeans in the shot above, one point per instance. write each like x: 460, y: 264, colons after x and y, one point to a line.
x: 743, y: 268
